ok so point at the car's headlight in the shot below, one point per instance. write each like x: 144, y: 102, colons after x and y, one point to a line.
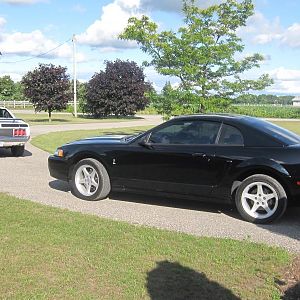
x: 59, y: 152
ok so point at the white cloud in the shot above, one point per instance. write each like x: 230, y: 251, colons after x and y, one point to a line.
x: 286, y: 81
x: 264, y: 31
x: 285, y: 87
x: 291, y: 36
x: 33, y: 44
x: 2, y: 22
x: 104, y: 32
x: 284, y: 74
x: 261, y: 29
x: 22, y: 2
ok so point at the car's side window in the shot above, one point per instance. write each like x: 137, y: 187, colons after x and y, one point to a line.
x: 187, y: 132
x: 4, y: 113
x: 230, y: 136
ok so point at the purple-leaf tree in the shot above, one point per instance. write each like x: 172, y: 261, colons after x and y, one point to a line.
x: 47, y: 88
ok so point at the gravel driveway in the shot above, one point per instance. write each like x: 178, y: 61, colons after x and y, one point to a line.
x: 27, y: 177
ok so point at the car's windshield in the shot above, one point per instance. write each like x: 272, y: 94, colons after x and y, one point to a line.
x: 4, y: 113
x: 281, y: 134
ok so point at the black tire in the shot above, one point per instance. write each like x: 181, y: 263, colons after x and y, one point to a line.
x: 17, y: 150
x: 97, y: 193
x: 265, y: 211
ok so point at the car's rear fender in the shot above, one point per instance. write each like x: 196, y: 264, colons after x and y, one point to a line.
x: 260, y: 166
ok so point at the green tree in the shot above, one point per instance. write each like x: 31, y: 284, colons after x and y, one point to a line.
x: 18, y: 92
x: 119, y: 90
x: 202, y: 53
x: 7, y: 88
x: 81, y: 95
x: 47, y: 87
x: 171, y: 101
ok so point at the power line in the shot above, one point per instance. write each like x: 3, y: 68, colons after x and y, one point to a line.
x: 36, y: 56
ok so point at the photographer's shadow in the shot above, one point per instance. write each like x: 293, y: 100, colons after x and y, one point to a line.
x: 171, y: 280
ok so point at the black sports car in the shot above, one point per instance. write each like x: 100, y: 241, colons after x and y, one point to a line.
x: 221, y: 158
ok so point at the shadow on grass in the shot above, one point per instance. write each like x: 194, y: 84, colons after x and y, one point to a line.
x: 293, y: 293
x: 7, y: 153
x: 171, y: 280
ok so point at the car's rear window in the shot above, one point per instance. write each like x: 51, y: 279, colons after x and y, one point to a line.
x: 283, y: 135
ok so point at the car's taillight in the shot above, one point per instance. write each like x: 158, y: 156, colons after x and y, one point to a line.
x: 19, y: 132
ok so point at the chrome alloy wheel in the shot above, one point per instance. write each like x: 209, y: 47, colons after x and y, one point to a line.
x: 259, y: 200
x: 87, y: 180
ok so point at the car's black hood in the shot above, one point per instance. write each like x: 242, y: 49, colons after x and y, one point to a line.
x: 108, y: 140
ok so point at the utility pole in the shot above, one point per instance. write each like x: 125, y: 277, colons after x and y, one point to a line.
x: 74, y: 75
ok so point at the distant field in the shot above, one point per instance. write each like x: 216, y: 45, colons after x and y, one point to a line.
x: 267, y: 111
x: 262, y: 111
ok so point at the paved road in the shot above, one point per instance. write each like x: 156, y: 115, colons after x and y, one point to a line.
x: 27, y: 177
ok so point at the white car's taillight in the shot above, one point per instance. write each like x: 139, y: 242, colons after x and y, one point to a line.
x: 19, y: 132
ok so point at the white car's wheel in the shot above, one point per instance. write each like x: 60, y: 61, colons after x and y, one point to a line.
x: 261, y: 199
x: 90, y: 180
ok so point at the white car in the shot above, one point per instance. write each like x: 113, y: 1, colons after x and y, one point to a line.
x: 14, y: 132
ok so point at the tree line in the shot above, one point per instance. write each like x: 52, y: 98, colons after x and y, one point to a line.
x: 263, y: 99
x: 10, y: 90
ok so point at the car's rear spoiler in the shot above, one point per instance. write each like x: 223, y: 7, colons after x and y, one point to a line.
x: 10, y: 122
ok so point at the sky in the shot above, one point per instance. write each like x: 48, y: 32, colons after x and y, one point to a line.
x: 29, y: 28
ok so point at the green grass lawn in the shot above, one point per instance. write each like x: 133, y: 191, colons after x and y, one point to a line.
x: 50, y: 253
x: 290, y: 125
x: 50, y: 141
x: 42, y: 119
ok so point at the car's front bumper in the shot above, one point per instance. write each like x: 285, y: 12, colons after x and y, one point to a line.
x: 58, y: 167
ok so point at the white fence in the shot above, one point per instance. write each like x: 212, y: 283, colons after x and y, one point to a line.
x: 19, y: 104
x: 15, y: 104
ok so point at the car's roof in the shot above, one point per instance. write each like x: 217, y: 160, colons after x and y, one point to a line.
x: 216, y: 116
